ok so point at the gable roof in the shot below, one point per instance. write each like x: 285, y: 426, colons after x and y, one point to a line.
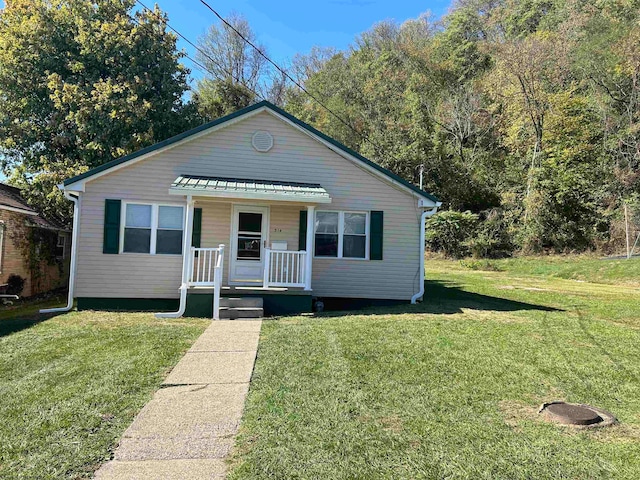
x: 11, y: 199
x: 260, y: 105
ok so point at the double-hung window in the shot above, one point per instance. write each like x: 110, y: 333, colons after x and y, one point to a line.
x: 154, y: 229
x: 341, y: 234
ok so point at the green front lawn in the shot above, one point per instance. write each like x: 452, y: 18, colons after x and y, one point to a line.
x: 450, y: 388
x: 70, y: 385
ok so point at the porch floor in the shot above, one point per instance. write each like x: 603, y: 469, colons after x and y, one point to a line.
x: 231, y: 290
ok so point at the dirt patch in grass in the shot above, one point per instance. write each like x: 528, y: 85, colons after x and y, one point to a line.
x: 493, y: 316
x: 516, y: 412
x: 528, y: 289
x: 392, y: 424
x: 618, y: 433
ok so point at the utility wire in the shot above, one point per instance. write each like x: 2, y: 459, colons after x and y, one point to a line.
x: 280, y: 69
x: 213, y: 60
x: 301, y: 87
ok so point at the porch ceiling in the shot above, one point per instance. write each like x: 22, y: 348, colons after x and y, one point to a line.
x: 249, y: 189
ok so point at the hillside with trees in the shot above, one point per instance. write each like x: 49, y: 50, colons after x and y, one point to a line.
x: 525, y: 113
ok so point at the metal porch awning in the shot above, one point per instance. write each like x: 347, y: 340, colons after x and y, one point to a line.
x: 254, y: 189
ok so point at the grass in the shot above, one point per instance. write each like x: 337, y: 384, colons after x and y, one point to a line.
x: 584, y: 267
x: 71, y: 384
x: 450, y: 388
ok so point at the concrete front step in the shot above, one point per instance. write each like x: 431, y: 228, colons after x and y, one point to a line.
x: 231, y: 313
x: 241, y: 302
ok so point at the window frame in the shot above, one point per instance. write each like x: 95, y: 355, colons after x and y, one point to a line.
x: 155, y: 209
x: 62, y: 237
x: 341, y: 214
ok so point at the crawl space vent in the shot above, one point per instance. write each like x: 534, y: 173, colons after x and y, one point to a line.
x: 262, y: 141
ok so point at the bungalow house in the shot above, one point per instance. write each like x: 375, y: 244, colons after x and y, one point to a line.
x: 32, y: 247
x: 256, y: 211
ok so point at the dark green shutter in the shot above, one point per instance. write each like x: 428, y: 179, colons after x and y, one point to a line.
x: 111, y: 240
x: 376, y: 231
x: 302, y: 231
x: 197, y: 227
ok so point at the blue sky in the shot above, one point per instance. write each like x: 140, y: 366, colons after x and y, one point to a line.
x: 287, y: 27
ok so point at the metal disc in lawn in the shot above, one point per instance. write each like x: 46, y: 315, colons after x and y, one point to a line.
x: 570, y: 414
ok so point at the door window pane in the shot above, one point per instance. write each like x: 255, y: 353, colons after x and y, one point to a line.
x: 170, y: 217
x: 249, y: 222
x: 137, y: 240
x: 249, y: 247
x: 138, y: 216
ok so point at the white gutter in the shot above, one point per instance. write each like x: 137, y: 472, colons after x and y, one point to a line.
x: 74, y: 251
x: 186, y: 263
x: 423, y: 219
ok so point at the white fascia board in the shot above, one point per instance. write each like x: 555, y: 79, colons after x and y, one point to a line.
x: 80, y: 184
x: 249, y: 196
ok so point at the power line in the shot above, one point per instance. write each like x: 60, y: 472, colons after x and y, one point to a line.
x: 280, y: 69
x: 301, y: 87
x: 166, y: 23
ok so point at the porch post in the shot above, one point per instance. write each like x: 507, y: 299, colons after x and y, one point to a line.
x: 187, y: 259
x: 309, y: 257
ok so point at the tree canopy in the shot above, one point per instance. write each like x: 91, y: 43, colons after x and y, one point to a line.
x: 83, y: 82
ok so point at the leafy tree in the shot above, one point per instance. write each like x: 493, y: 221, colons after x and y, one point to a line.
x: 237, y: 74
x: 81, y: 83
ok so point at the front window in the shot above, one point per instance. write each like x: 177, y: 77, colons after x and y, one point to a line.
x: 354, y: 241
x: 170, y: 224
x: 155, y: 229
x: 327, y: 238
x: 341, y: 234
x: 137, y: 228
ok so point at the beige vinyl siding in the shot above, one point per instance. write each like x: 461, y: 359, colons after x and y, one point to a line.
x: 228, y: 153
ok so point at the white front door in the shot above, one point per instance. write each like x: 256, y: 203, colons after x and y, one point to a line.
x: 248, y: 239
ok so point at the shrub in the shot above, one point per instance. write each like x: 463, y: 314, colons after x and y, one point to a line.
x: 449, y: 231
x: 15, y: 284
x: 491, y: 238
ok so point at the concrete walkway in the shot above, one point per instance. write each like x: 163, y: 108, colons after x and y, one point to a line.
x: 188, y: 428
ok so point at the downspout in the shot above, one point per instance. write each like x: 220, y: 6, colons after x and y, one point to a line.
x: 423, y: 226
x: 74, y: 251
x: 186, y: 263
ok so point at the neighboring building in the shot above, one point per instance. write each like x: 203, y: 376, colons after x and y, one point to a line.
x: 301, y: 217
x: 31, y: 246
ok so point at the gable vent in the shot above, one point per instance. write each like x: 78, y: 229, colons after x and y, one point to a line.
x: 262, y: 141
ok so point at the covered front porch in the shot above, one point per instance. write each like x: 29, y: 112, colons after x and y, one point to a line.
x: 247, y: 238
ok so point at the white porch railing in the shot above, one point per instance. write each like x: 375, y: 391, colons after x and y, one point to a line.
x: 205, y: 270
x: 285, y: 268
x: 203, y: 266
